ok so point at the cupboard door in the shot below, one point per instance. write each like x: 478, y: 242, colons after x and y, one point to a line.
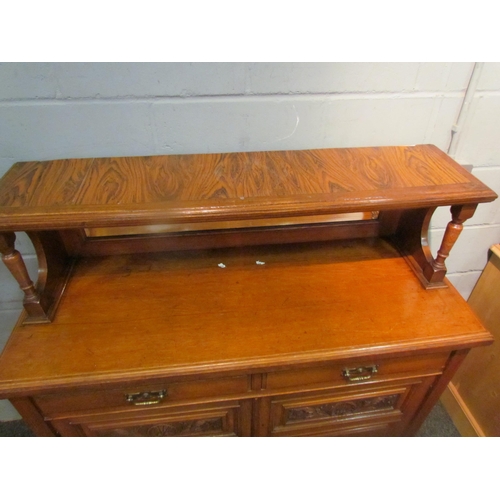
x: 381, y: 410
x: 218, y: 419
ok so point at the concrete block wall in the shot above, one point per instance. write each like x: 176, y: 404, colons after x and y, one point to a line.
x: 63, y: 110
x: 479, y: 146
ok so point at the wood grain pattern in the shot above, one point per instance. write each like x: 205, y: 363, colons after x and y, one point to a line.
x: 235, y: 186
x: 44, y: 183
x: 456, y: 359
x: 476, y: 386
x: 330, y: 375
x: 235, y: 199
x: 77, y: 401
x: 32, y: 416
x: 462, y: 417
x: 127, y: 317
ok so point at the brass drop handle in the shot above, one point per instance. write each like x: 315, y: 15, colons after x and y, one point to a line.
x: 359, y: 374
x: 146, y: 398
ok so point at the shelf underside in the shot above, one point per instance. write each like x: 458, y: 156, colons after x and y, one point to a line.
x: 194, y: 312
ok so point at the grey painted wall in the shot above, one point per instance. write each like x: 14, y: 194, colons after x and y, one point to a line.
x: 62, y: 110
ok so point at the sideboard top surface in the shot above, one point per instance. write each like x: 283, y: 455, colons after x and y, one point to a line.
x: 105, y: 192
x: 137, y: 316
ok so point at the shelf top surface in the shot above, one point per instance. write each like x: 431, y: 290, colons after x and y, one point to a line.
x: 106, y: 192
x: 137, y: 316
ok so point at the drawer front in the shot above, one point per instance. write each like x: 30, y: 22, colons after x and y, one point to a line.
x: 156, y: 393
x: 349, y: 373
x: 384, y: 408
x: 216, y: 419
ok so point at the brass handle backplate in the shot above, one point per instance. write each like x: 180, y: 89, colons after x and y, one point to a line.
x: 146, y: 398
x: 359, y: 374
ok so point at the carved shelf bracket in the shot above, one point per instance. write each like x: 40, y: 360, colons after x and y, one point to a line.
x: 54, y: 268
x: 412, y: 239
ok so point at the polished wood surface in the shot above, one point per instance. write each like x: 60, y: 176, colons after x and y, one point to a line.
x: 255, y: 341
x: 236, y: 294
x: 235, y: 186
x: 32, y: 416
x: 127, y: 317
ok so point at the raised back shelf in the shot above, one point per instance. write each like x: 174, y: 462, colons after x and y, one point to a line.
x: 110, y: 192
x: 104, y: 206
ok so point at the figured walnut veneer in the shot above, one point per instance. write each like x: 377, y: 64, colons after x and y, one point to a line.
x: 233, y: 186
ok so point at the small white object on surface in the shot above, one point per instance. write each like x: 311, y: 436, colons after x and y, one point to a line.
x: 259, y: 262
x: 221, y: 265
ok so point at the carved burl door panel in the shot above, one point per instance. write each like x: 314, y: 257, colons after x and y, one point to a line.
x: 221, y: 419
x: 373, y: 411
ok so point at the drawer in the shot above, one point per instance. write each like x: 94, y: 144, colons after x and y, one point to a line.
x: 146, y: 394
x: 335, y: 374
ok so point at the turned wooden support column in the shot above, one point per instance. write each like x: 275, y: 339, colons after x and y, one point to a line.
x: 459, y: 214
x: 15, y: 264
x: 54, y: 268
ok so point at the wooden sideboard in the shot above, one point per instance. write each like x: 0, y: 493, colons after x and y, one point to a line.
x: 286, y: 293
